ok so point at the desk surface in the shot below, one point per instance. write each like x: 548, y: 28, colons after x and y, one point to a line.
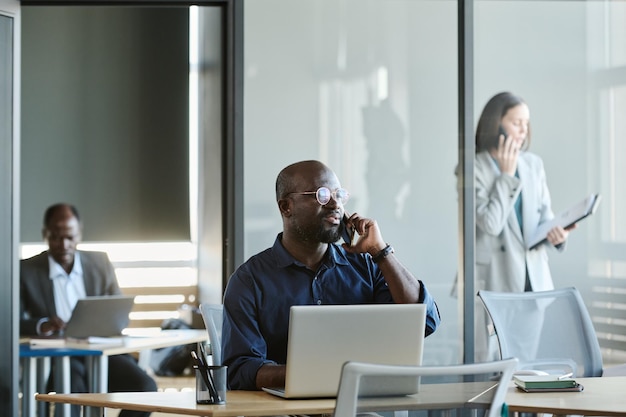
x: 259, y: 403
x: 134, y: 342
x: 164, y: 338
x: 98, y: 356
x: 601, y: 397
x: 27, y: 351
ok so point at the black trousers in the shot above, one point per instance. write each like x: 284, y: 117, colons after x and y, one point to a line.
x: 124, y: 376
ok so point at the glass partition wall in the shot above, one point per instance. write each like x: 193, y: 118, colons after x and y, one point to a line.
x: 370, y: 88
x: 603, y: 146
x: 566, y: 59
x: 10, y: 23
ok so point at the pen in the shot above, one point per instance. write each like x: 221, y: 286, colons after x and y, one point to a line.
x: 206, y: 376
x: 567, y: 375
x: 203, y: 353
x: 206, y: 361
x: 205, y: 373
x: 214, y: 393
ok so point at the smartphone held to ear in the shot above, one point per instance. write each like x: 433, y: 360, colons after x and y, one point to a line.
x: 349, y: 234
x: 501, y: 131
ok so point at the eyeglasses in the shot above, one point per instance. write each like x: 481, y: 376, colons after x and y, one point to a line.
x: 323, y: 195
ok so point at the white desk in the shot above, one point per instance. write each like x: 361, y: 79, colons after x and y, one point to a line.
x: 36, y: 364
x: 601, y: 397
x: 97, y: 358
x: 98, y: 365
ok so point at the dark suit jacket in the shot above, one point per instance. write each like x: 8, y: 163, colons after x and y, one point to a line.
x: 36, y: 290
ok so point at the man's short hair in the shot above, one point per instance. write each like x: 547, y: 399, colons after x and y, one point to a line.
x: 50, y: 211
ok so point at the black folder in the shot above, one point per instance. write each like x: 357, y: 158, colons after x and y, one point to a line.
x: 565, y: 219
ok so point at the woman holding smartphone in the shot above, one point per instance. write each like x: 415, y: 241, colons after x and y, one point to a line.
x: 512, y: 200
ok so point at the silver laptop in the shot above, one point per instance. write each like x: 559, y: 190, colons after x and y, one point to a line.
x: 102, y: 316
x: 323, y: 338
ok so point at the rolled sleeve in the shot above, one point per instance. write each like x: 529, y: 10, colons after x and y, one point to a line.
x: 433, y: 319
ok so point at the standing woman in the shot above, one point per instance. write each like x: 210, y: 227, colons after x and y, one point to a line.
x: 512, y: 200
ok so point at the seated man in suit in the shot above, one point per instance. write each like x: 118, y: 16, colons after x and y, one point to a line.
x: 53, y: 281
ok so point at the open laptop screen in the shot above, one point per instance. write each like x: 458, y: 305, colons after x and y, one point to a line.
x: 99, y: 316
x: 323, y: 338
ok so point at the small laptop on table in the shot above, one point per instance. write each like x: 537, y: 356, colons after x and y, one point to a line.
x: 101, y: 316
x: 322, y: 338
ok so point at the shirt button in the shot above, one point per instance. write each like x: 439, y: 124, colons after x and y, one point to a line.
x: 319, y: 302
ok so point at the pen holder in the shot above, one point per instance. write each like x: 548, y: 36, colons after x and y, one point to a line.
x: 211, y: 384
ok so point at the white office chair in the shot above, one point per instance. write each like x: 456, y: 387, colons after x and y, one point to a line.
x: 354, y: 373
x: 212, y: 315
x: 546, y: 330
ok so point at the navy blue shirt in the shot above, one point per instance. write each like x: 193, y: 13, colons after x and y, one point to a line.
x: 262, y: 290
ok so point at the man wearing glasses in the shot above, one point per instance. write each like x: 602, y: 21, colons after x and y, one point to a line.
x: 306, y: 266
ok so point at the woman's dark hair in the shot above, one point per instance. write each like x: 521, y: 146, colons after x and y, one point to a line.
x: 488, y: 129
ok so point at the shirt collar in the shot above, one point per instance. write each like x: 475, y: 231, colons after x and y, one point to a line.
x: 334, y: 255
x: 56, y: 270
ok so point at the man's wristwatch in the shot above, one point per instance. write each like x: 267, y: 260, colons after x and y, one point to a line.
x: 383, y: 253
x: 39, y: 327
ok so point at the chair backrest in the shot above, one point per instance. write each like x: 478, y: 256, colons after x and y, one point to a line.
x: 212, y: 315
x: 353, y: 373
x: 545, y: 330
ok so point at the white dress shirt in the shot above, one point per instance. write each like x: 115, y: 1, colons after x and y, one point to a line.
x: 68, y: 288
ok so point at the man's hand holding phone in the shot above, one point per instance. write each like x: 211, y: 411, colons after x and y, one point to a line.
x: 362, y: 235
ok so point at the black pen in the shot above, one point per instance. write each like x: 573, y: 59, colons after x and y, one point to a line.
x: 203, y: 353
x: 215, y: 395
x: 205, y: 359
x: 206, y: 374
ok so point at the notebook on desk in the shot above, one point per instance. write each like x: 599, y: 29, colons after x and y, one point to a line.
x: 323, y: 338
x: 102, y: 316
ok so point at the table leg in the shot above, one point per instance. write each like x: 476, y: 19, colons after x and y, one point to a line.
x: 94, y: 412
x: 98, y: 369
x: 98, y: 373
x: 29, y: 386
x: 62, y: 374
x: 43, y: 372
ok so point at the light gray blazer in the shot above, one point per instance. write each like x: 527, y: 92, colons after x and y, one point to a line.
x: 501, y: 254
